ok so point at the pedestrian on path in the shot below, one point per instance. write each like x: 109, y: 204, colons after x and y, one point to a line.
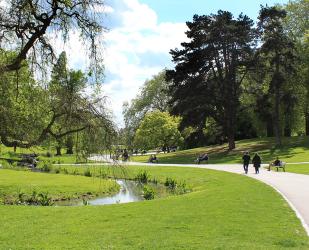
x: 256, y: 161
x: 246, y: 158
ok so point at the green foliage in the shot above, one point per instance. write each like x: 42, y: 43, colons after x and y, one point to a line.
x: 45, y: 199
x: 158, y: 129
x: 45, y: 166
x: 176, y: 187
x: 170, y: 183
x: 142, y: 177
x: 210, y: 69
x: 87, y: 172
x: 152, y: 96
x: 148, y: 193
x: 278, y: 57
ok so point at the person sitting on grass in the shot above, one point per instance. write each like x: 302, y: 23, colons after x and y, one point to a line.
x: 153, y: 159
x: 203, y: 157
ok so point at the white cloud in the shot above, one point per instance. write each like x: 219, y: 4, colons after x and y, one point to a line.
x: 137, y: 35
x: 140, y: 34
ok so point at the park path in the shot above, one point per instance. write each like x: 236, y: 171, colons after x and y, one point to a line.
x: 293, y: 187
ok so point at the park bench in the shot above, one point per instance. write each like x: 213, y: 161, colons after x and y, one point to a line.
x: 199, y: 159
x: 281, y: 165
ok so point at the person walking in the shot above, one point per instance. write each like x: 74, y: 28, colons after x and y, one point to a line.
x: 246, y: 158
x: 256, y: 161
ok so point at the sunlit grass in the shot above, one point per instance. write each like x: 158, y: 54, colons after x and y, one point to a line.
x: 223, y: 211
x: 58, y: 186
x: 294, y: 149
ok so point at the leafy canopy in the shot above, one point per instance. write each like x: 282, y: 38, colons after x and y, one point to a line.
x: 158, y: 129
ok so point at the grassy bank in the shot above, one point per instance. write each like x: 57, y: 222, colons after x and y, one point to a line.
x: 224, y: 211
x: 57, y: 186
x: 294, y: 149
x: 45, y: 154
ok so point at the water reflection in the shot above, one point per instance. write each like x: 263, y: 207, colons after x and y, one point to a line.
x: 129, y: 192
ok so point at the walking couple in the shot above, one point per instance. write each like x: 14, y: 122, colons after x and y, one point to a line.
x: 256, y: 161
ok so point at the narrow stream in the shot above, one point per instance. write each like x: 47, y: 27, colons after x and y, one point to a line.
x: 130, y: 191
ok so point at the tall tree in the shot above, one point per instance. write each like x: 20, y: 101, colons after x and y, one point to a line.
x: 152, y: 96
x: 210, y: 69
x: 278, y: 55
x: 296, y: 24
x: 31, y: 113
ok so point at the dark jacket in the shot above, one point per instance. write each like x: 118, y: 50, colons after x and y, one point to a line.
x: 256, y: 161
x: 246, y: 159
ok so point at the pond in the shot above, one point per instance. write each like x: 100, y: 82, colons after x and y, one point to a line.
x: 130, y: 191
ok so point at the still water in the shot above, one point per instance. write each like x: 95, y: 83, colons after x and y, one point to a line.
x: 130, y: 191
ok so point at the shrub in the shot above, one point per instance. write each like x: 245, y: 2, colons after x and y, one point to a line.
x: 155, y: 181
x: 20, y: 197
x: 48, y: 154
x: 142, y: 177
x: 45, y: 166
x: 182, y: 188
x: 170, y: 183
x: 57, y: 170
x: 5, y: 164
x: 87, y: 172
x: 148, y: 193
x: 45, y: 200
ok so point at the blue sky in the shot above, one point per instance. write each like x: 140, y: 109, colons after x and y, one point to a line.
x: 141, y: 34
x: 183, y: 10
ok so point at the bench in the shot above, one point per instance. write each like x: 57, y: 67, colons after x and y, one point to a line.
x: 200, y: 159
x: 281, y: 165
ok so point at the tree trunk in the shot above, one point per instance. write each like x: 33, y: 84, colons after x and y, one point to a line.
x: 287, y: 132
x: 307, y: 123
x: 231, y: 141
x: 269, y: 128
x: 287, y: 128
x: 70, y: 150
x: 277, y: 129
x: 58, y: 148
x: 231, y: 131
x: 69, y: 145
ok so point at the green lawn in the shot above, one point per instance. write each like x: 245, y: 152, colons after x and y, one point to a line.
x: 8, y: 153
x: 224, y: 211
x: 294, y: 149
x: 58, y: 186
x: 297, y: 168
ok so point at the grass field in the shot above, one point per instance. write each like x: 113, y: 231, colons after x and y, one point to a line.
x: 297, y: 168
x: 294, y: 149
x: 223, y: 211
x: 8, y: 153
x: 58, y: 186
